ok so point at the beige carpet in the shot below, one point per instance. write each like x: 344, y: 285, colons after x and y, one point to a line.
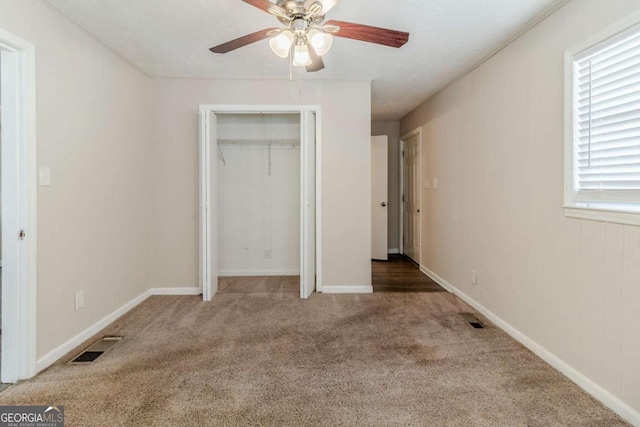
x: 258, y: 355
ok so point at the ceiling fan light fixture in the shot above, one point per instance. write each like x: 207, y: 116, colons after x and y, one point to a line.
x: 281, y: 44
x: 320, y: 41
x: 306, y: 38
x: 301, y: 57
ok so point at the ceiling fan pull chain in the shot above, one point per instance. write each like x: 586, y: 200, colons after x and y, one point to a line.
x: 290, y: 64
x: 300, y: 81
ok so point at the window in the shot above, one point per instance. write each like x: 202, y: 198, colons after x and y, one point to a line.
x: 603, y: 126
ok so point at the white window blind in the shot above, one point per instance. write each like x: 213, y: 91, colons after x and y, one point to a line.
x: 606, y: 85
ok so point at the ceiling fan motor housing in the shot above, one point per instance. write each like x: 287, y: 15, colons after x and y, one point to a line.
x: 296, y: 10
x: 300, y: 25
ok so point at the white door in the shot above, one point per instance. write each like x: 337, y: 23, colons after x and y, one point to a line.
x: 411, y: 197
x: 379, y: 196
x: 17, y: 82
x: 11, y: 244
x: 208, y: 205
x: 308, y: 206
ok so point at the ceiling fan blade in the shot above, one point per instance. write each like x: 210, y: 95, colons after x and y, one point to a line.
x: 327, y: 5
x: 268, y: 7
x: 242, y: 41
x: 317, y: 62
x: 369, y: 34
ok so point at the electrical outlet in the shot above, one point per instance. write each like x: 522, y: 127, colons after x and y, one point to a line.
x: 267, y: 254
x: 79, y: 300
x: 474, y: 277
x: 45, y: 177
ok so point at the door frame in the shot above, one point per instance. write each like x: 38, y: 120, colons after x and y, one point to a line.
x: 205, y: 182
x: 417, y: 131
x: 19, y: 163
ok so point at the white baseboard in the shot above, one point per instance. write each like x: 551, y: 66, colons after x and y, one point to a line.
x: 597, y: 391
x: 393, y: 251
x: 191, y: 290
x: 55, y: 354
x: 251, y: 273
x: 439, y: 280
x: 347, y: 289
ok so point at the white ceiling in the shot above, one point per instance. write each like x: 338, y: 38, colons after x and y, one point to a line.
x: 171, y: 38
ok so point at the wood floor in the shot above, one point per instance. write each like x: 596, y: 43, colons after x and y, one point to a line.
x: 400, y: 274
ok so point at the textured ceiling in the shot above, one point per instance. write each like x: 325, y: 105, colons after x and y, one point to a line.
x: 171, y: 38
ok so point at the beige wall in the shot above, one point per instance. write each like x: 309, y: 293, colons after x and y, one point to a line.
x: 346, y: 210
x: 392, y: 130
x: 93, y: 132
x: 495, y: 142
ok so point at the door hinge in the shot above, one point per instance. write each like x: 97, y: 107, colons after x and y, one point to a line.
x: 402, y: 153
x: 403, y: 197
x: 22, y: 234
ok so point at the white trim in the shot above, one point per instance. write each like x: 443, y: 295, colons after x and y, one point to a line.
x: 569, y: 191
x: 203, y: 235
x: 252, y: 273
x: 439, y: 280
x: 610, y: 210
x: 205, y: 178
x: 364, y: 289
x: 400, y: 195
x: 319, y: 279
x: 50, y: 358
x: 178, y: 290
x: 605, y: 215
x: 606, y: 33
x: 416, y: 131
x: 597, y: 391
x: 393, y: 251
x: 19, y: 311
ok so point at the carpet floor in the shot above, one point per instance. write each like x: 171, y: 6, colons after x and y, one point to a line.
x: 258, y: 355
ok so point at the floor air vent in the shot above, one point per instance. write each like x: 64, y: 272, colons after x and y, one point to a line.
x: 473, y: 321
x: 96, y: 350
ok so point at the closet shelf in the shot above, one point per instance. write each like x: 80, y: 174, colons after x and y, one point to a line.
x: 259, y: 141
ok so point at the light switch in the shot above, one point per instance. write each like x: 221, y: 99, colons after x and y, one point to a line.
x: 435, y: 182
x: 427, y: 184
x: 45, y: 177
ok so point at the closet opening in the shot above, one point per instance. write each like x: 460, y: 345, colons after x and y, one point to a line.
x: 260, y: 226
x: 258, y: 163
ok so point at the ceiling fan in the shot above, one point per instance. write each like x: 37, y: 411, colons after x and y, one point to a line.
x: 305, y: 39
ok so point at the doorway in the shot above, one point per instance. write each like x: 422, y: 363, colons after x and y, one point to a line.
x: 213, y: 120
x: 411, y: 203
x: 258, y: 195
x: 18, y: 214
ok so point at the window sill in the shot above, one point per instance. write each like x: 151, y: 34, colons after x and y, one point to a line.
x: 627, y: 217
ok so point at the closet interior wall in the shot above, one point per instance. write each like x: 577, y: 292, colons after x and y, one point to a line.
x: 259, y: 194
